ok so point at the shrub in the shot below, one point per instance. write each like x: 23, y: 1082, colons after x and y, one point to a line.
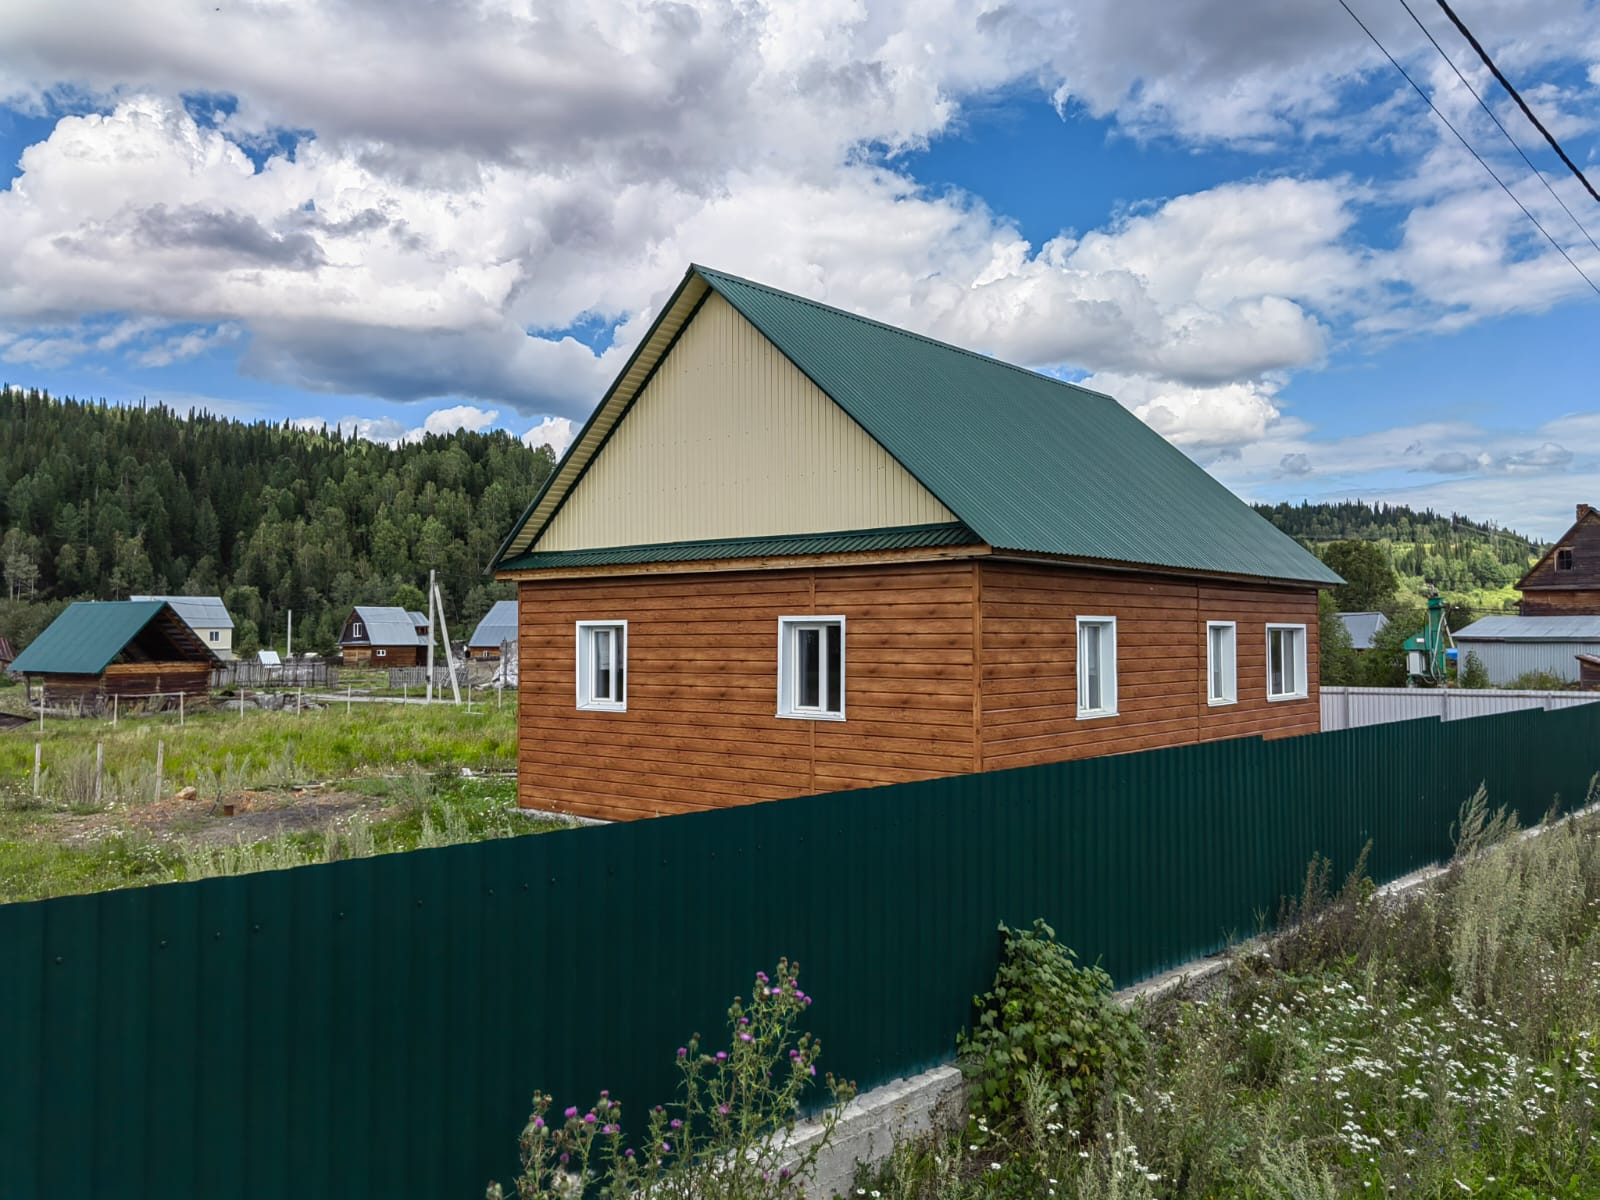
x: 1473, y: 673
x: 1045, y: 1011
x: 731, y: 1135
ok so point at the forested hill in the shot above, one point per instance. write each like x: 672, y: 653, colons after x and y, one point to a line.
x: 1470, y: 562
x: 101, y: 502
x: 1355, y: 520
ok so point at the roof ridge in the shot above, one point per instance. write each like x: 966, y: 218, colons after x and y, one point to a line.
x: 707, y: 273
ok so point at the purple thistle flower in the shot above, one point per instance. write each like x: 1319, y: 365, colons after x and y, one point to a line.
x: 538, y: 1122
x: 627, y: 1153
x: 745, y: 1037
x: 564, y: 1158
x: 667, y: 1147
x: 675, y: 1124
x: 682, y: 1052
x: 723, y: 1109
x: 588, y: 1118
x: 572, y: 1112
x: 722, y: 1056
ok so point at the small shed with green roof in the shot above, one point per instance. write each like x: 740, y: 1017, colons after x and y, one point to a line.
x: 798, y: 550
x: 126, y: 648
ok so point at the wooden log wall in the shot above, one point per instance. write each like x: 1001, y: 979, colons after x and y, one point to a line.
x: 700, y: 729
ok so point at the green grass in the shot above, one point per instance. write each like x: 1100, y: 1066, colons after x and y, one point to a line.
x: 416, y: 812
x: 263, y: 748
x: 405, y: 760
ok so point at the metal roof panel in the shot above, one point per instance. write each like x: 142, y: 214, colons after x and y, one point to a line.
x: 1532, y: 629
x: 86, y: 637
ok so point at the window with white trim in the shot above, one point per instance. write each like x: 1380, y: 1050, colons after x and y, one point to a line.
x: 1286, y: 662
x: 381, y: 653
x: 811, y: 668
x: 602, y: 665
x: 216, y: 635
x: 1222, y: 662
x: 355, y: 628
x: 1097, y: 667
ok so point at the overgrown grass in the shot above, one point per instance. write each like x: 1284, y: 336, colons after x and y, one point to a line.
x: 262, y: 749
x: 415, y: 812
x: 1441, y: 1044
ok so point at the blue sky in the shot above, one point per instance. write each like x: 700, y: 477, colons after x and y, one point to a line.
x: 1234, y: 217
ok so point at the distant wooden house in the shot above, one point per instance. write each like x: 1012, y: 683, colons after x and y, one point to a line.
x: 383, y: 637
x: 126, y: 648
x: 1566, y: 581
x: 207, y: 616
x: 1589, y: 672
x: 795, y: 551
x: 7, y: 653
x: 498, y: 627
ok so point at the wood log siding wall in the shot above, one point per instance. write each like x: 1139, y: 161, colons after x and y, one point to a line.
x: 700, y: 729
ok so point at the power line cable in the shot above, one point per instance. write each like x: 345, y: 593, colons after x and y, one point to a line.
x: 1483, y: 105
x: 1517, y: 96
x: 1429, y: 102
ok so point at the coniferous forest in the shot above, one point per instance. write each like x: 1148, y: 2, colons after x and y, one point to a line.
x: 102, y: 502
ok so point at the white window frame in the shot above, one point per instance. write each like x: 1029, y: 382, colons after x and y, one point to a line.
x: 381, y: 653
x: 583, y: 656
x: 1230, y: 669
x: 788, y: 640
x: 216, y: 635
x: 1302, y: 684
x: 1108, y: 669
x: 355, y: 629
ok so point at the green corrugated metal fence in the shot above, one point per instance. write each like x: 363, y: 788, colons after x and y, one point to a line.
x: 374, y: 1028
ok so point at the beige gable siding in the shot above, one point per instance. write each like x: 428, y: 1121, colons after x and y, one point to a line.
x: 730, y: 439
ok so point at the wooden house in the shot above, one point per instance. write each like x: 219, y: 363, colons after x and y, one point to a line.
x: 208, y: 616
x: 1566, y: 581
x: 795, y: 551
x: 125, y: 648
x: 383, y: 637
x: 8, y: 653
x: 498, y: 627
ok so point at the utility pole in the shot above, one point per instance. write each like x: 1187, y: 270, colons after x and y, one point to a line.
x: 432, y: 591
x: 449, y: 654
x: 288, y: 646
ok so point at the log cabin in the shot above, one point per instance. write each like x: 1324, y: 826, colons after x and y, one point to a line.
x: 795, y: 550
x: 377, y: 636
x: 497, y: 629
x: 1566, y: 581
x: 130, y: 649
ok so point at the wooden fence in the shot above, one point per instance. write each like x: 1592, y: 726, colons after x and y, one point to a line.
x: 374, y: 1028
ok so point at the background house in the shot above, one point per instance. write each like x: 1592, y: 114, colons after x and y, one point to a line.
x: 383, y: 637
x: 1566, y: 581
x: 499, y: 626
x: 7, y: 653
x: 1363, y: 628
x: 795, y: 551
x: 1510, y: 647
x: 207, y: 616
x: 127, y: 648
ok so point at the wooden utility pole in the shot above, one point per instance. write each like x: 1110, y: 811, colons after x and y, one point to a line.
x: 449, y: 654
x: 432, y: 591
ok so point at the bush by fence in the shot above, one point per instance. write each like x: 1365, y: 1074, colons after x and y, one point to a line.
x: 376, y: 1027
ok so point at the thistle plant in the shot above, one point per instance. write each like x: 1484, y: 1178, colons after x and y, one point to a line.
x: 731, y: 1134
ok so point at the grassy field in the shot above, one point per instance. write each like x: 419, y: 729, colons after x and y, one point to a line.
x: 302, y: 788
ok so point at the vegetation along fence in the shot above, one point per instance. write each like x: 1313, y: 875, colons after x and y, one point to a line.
x: 1348, y: 707
x: 375, y: 1027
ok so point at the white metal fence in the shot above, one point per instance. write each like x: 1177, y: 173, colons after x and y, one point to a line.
x: 1348, y: 707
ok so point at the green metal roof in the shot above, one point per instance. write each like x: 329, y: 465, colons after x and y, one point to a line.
x: 1027, y: 462
x: 86, y: 637
x: 904, y: 537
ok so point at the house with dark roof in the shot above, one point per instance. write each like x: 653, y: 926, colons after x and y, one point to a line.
x: 127, y: 648
x: 1566, y: 581
x: 1510, y: 647
x: 795, y: 550
x: 207, y: 616
x: 380, y: 636
x: 498, y: 628
x: 1363, y: 628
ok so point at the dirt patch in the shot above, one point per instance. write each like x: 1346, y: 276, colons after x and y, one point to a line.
x: 257, y: 816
